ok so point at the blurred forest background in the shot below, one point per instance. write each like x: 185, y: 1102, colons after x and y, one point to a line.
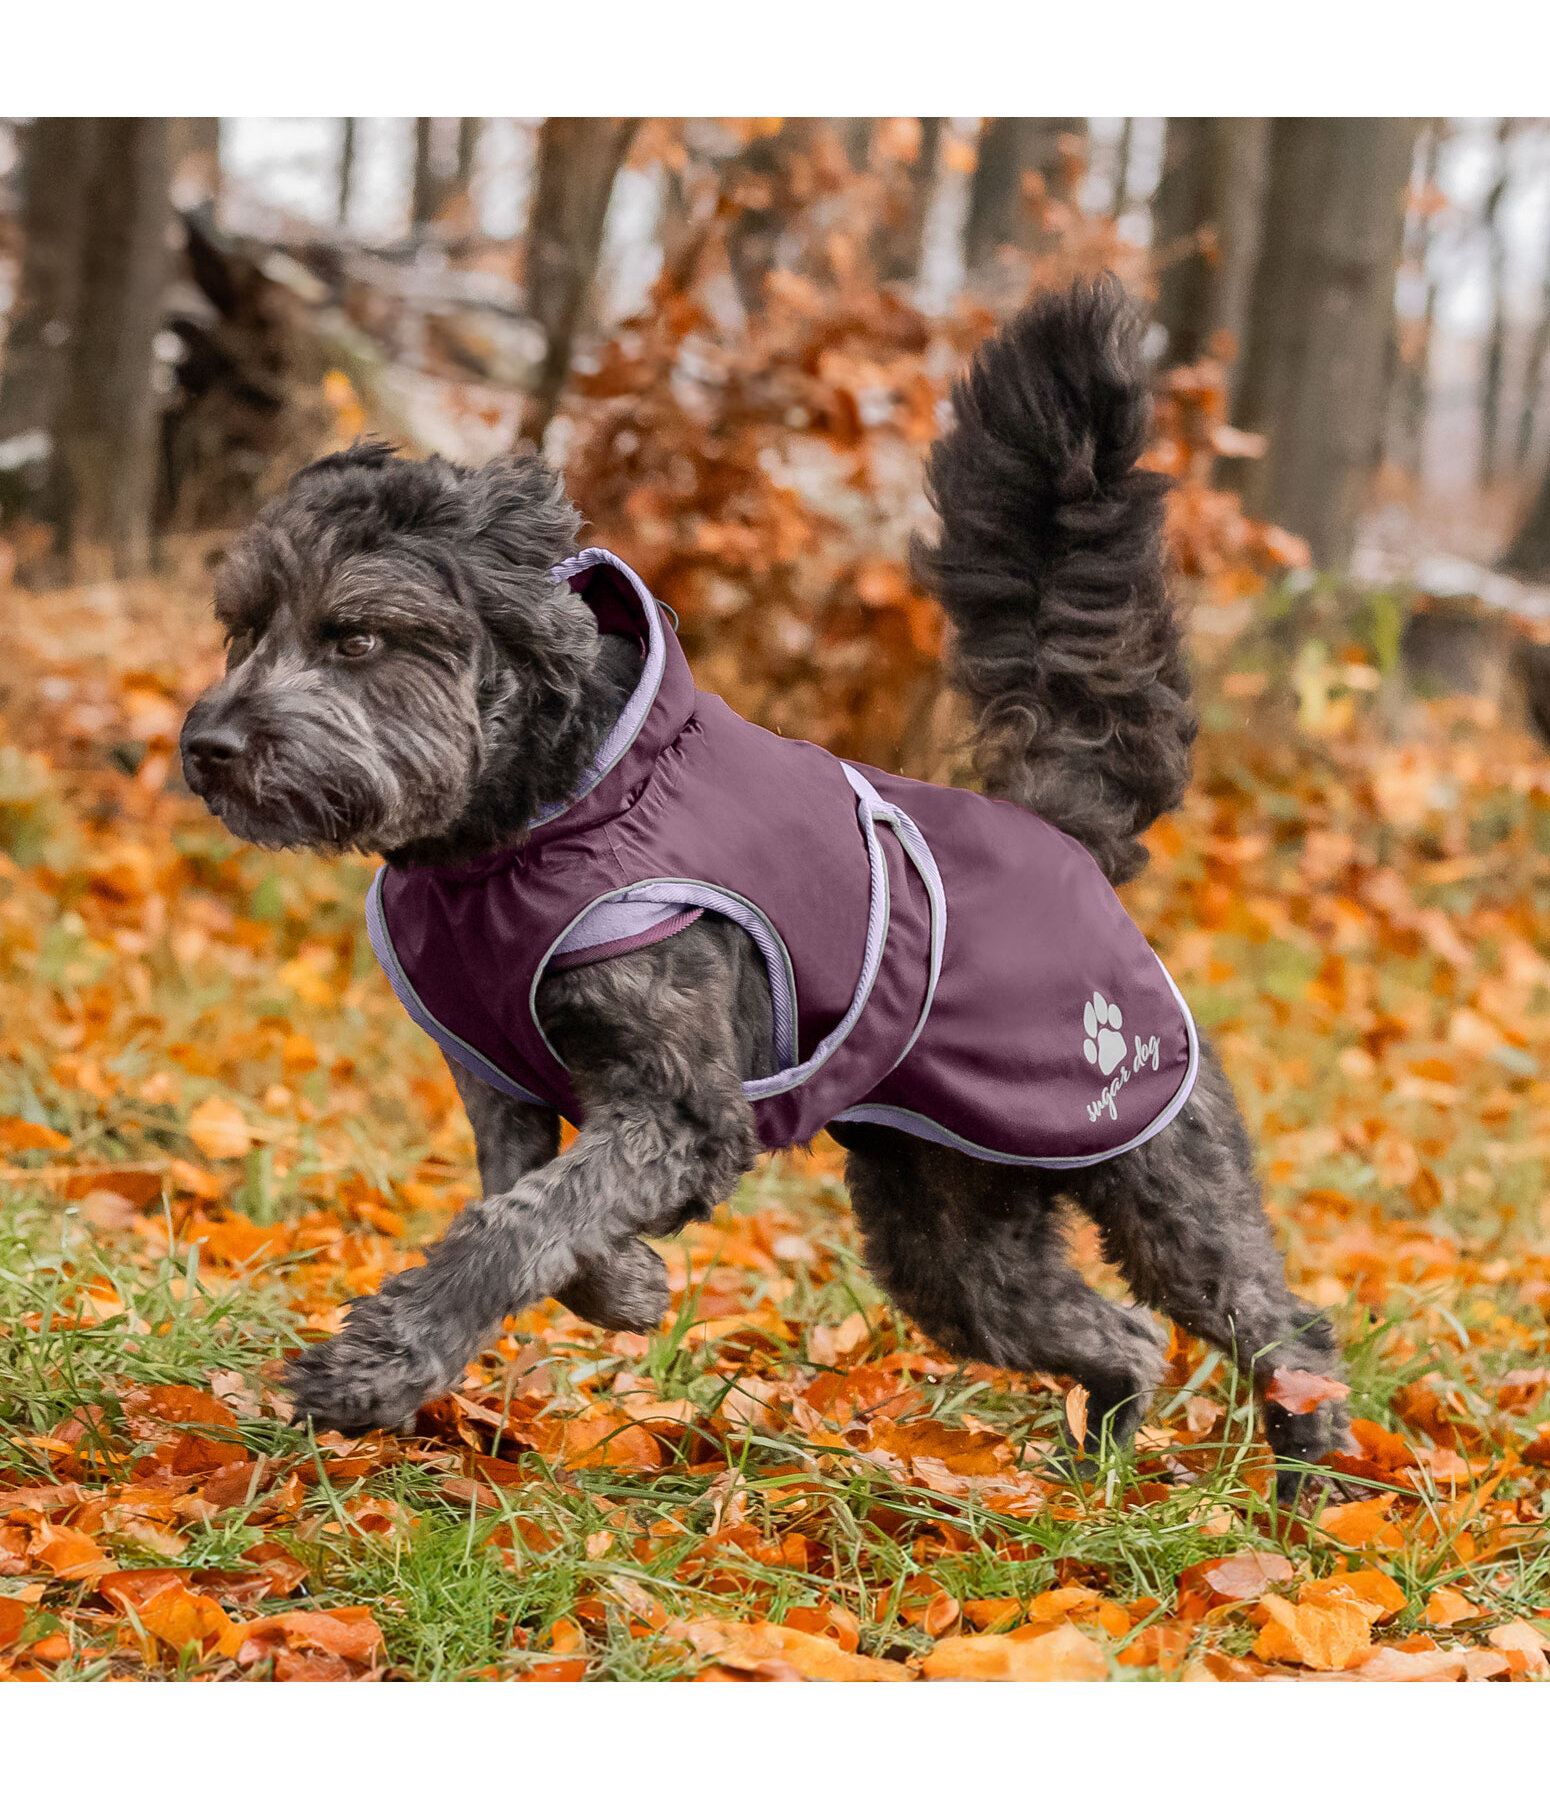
x: 736, y: 337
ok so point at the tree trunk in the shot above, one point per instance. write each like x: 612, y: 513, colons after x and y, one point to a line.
x: 1533, y: 376
x: 425, y: 196
x: 346, y: 172
x: 1415, y: 375
x: 1119, y: 193
x: 1528, y: 555
x: 766, y: 185
x: 469, y: 132
x: 194, y: 152
x: 901, y: 236
x: 577, y: 162
x: 1206, y: 216
x: 56, y: 173
x: 1320, y: 323
x: 104, y: 472
x: 1492, y: 225
x: 1016, y: 158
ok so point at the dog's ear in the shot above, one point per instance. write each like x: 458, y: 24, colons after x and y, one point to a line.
x: 517, y: 506
x: 518, y: 523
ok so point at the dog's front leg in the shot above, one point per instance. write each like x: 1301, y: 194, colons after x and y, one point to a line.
x: 624, y: 1290
x: 667, y: 1135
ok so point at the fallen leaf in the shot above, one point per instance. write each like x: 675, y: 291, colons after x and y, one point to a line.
x: 761, y: 1648
x: 1447, y: 1606
x: 1301, y: 1391
x: 1064, y: 1654
x: 218, y: 1128
x: 1319, y: 1634
x: 22, y: 1134
x: 1524, y: 1647
x: 1076, y: 1413
x: 1362, y: 1523
x: 1389, y: 1664
x: 1378, y: 1595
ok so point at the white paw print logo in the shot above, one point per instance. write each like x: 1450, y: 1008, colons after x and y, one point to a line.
x: 1103, y: 1044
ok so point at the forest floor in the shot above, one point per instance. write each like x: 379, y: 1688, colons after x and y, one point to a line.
x: 217, y: 1128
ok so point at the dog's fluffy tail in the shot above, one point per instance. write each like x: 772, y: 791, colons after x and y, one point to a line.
x: 1050, y: 566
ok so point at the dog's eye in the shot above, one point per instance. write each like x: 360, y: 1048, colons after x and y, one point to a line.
x: 357, y: 644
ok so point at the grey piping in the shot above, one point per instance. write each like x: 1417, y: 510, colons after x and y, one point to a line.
x: 918, y: 1125
x: 473, y: 1060
x: 626, y: 727
x: 777, y: 960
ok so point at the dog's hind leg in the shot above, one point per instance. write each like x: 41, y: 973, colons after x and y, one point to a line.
x: 1183, y: 1219
x: 974, y: 1253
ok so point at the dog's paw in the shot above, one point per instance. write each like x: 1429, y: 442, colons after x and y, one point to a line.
x: 371, y: 1375
x: 1301, y: 1442
x: 627, y: 1292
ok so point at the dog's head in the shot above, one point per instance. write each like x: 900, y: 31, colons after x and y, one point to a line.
x: 399, y: 662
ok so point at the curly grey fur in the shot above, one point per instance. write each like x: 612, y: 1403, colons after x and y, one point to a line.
x: 483, y: 694
x: 1050, y: 566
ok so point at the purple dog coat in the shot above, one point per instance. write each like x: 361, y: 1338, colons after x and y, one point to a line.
x: 939, y: 962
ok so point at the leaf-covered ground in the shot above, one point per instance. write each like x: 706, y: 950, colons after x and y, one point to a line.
x: 216, y: 1128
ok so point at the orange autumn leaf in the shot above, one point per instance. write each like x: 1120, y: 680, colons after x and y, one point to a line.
x: 780, y: 1653
x: 1076, y: 1413
x: 22, y: 1134
x: 71, y: 1554
x: 1064, y: 1654
x: 1362, y: 1523
x: 347, y: 1632
x: 13, y: 1621
x: 1447, y: 1606
x: 167, y: 1607
x: 1319, y: 1634
x: 1224, y: 1580
x: 1378, y: 1595
x: 219, y: 1129
x: 1301, y: 1391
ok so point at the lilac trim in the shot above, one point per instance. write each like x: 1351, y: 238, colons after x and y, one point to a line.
x: 913, y: 842
x: 710, y: 898
x: 627, y: 726
x: 615, y: 920
x: 918, y: 1125
x: 678, y: 918
x: 873, y: 809
x: 471, y: 1059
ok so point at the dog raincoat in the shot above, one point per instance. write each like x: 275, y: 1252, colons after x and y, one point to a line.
x: 939, y: 962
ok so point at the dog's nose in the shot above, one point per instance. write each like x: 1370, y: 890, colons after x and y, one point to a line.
x: 215, y: 744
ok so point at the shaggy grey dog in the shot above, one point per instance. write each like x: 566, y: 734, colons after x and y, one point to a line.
x: 404, y: 678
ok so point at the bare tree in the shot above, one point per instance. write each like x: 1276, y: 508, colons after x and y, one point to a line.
x: 766, y: 185
x: 1018, y: 159
x: 1528, y: 555
x: 194, y: 152
x: 57, y: 160
x: 1493, y: 228
x: 1413, y: 386
x: 346, y: 178
x: 1534, y: 375
x: 93, y: 289
x: 909, y: 182
x: 1119, y: 193
x: 104, y: 465
x: 578, y: 160
x: 1320, y: 323
x: 1206, y: 230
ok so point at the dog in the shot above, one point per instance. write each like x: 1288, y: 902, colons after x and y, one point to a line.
x: 407, y: 676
